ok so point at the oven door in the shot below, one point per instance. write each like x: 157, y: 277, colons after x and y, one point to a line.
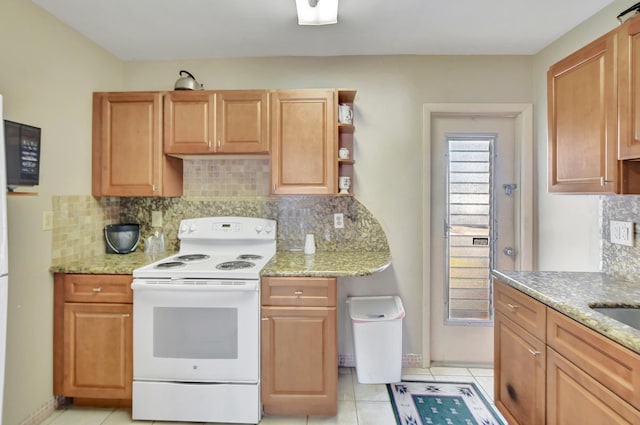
x: 204, y: 332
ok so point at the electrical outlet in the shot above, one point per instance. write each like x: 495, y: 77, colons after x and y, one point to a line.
x: 621, y: 232
x: 47, y: 220
x: 338, y: 221
x: 156, y: 218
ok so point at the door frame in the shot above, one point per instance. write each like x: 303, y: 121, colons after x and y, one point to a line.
x: 522, y: 113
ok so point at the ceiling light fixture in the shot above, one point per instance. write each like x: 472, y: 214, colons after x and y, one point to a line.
x: 317, y: 12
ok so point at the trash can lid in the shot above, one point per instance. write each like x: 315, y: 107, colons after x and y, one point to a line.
x: 375, y: 309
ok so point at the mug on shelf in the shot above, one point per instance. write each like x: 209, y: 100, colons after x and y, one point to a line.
x: 344, y: 183
x: 345, y: 113
x: 343, y: 153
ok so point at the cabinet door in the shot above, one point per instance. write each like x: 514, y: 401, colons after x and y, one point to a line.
x: 303, y: 142
x: 98, y: 350
x: 242, y: 121
x: 575, y: 398
x: 189, y: 122
x: 299, y: 361
x: 519, y: 374
x: 127, y: 147
x: 629, y: 78
x: 582, y: 108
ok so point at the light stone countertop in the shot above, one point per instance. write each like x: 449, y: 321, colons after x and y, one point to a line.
x: 109, y: 263
x: 284, y: 263
x: 571, y: 293
x: 327, y: 264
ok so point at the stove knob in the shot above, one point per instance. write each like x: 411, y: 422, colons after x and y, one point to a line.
x: 268, y: 229
x: 183, y: 228
x: 192, y: 228
x: 258, y: 229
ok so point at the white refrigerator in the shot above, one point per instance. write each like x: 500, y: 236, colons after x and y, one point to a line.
x: 4, y: 263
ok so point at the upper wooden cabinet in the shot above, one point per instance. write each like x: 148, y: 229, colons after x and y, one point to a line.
x: 205, y: 122
x: 629, y: 95
x: 303, y: 142
x: 127, y: 147
x: 583, y: 123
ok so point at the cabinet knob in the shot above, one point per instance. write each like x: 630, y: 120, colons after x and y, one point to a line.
x: 126, y: 315
x: 265, y: 318
x: 298, y: 292
x: 97, y: 289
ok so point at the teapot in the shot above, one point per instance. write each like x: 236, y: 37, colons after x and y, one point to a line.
x: 187, y: 83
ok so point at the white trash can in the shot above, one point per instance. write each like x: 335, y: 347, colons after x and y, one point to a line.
x: 377, y: 334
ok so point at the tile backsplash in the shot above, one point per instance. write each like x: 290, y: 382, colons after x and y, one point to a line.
x: 226, y: 177
x: 221, y: 187
x: 78, y: 226
x: 619, y: 260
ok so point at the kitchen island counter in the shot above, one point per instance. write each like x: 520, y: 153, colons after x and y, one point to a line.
x: 572, y: 293
x: 284, y: 263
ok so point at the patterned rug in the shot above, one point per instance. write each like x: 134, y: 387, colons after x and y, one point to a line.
x: 440, y: 403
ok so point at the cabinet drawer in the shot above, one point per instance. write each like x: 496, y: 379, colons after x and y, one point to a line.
x: 299, y: 291
x: 521, y: 308
x: 614, y: 366
x: 98, y: 288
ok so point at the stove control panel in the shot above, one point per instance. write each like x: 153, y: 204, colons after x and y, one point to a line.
x: 227, y: 228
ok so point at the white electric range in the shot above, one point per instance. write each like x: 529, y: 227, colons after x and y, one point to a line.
x: 196, y: 332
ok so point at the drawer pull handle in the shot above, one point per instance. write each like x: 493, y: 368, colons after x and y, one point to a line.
x: 126, y: 315
x: 298, y: 292
x: 512, y: 307
x: 534, y: 353
x: 97, y: 289
x: 265, y: 318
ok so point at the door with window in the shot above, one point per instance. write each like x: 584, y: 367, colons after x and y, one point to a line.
x: 473, y: 189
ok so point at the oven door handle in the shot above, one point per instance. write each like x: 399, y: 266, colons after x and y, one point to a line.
x: 197, y: 286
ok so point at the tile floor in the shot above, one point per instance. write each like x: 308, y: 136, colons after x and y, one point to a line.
x: 358, y: 404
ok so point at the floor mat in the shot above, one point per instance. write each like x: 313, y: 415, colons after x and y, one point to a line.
x: 440, y: 403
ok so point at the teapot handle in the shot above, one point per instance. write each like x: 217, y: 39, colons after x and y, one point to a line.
x: 188, y: 73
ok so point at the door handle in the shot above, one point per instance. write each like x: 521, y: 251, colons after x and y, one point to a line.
x: 509, y: 251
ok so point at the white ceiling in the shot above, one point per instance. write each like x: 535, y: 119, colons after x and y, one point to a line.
x: 196, y: 29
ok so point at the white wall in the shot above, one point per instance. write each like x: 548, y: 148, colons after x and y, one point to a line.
x: 47, y: 75
x: 568, y: 235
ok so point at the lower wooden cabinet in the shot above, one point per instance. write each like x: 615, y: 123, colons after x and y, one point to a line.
x: 576, y: 398
x: 299, y: 346
x: 520, y: 382
x: 93, y: 338
x: 561, y: 374
x: 520, y: 361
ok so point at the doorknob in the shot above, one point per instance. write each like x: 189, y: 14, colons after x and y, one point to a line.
x: 509, y: 252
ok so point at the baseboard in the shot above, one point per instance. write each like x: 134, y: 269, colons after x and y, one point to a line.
x: 44, y: 411
x: 408, y: 360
